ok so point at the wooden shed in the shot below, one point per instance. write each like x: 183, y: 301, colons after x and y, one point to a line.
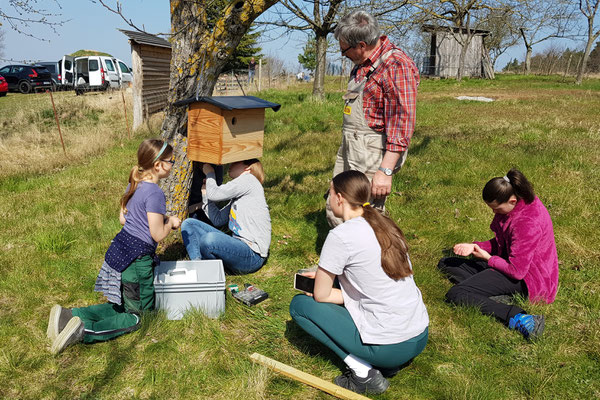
x: 444, y: 52
x: 151, y: 65
x: 225, y: 129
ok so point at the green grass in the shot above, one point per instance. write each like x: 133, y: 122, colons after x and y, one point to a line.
x: 56, y: 227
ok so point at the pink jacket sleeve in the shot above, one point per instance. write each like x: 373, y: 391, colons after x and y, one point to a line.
x: 521, y: 242
x: 489, y: 245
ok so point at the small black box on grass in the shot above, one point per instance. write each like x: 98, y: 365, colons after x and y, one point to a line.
x: 250, y: 296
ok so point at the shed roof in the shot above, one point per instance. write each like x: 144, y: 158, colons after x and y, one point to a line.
x: 438, y: 28
x: 232, y: 102
x: 146, y: 38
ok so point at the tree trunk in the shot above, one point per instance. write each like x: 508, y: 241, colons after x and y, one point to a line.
x: 461, y: 61
x: 586, y: 55
x: 528, y: 60
x: 199, y: 52
x: 321, y: 54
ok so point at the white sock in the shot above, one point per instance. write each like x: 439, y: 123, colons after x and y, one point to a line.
x: 360, y: 367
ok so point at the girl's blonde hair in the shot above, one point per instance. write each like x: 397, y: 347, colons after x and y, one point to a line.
x: 148, y: 153
x: 355, y: 188
x: 256, y: 169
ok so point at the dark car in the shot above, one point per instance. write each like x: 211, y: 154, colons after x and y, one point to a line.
x: 26, y: 78
x: 3, y: 86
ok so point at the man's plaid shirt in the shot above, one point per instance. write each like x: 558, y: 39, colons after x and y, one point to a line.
x: 390, y: 95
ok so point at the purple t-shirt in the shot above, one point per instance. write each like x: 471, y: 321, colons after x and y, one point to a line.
x: 148, y: 197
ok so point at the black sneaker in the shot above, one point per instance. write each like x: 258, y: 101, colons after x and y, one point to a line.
x: 59, y: 317
x: 374, y: 383
x: 72, y: 333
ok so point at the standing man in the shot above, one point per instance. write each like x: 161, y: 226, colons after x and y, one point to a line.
x: 251, y: 70
x: 380, y: 106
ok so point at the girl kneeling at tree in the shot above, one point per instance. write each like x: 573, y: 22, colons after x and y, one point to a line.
x: 247, y: 213
x: 521, y: 258
x: 377, y: 321
x: 127, y: 275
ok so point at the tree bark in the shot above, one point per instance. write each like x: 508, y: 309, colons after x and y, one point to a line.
x: 321, y: 54
x: 200, y: 49
x: 528, y: 60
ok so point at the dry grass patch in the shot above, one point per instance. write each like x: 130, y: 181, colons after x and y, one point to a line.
x: 29, y: 138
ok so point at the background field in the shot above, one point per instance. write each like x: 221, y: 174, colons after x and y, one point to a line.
x: 59, y: 214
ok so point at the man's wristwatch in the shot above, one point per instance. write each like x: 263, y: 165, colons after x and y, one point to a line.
x: 386, y: 171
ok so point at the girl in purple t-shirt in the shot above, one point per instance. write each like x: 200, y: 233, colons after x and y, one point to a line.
x: 126, y: 276
x: 520, y: 259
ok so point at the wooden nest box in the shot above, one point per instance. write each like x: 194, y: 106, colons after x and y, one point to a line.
x: 225, y: 129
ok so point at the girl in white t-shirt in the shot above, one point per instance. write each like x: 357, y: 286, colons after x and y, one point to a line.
x: 377, y: 321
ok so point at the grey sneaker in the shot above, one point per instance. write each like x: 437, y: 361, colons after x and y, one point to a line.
x: 72, y: 333
x: 374, y: 383
x: 59, y: 317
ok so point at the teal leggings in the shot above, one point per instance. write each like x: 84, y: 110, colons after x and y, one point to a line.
x: 332, y: 325
x: 107, y: 321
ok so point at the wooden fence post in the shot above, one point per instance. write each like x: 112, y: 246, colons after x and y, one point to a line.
x: 125, y: 109
x: 57, y: 123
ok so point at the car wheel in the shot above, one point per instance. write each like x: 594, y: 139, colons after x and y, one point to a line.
x: 53, y: 87
x: 24, y: 87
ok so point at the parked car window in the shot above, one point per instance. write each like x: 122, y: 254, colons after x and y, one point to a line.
x: 67, y: 64
x: 109, y: 65
x: 51, y: 68
x: 4, y: 70
x: 124, y: 68
x: 93, y: 65
x: 17, y: 68
x: 41, y: 70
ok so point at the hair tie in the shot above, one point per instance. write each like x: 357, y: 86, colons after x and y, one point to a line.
x: 366, y: 204
x: 164, y: 146
x: 140, y: 169
x: 506, y: 178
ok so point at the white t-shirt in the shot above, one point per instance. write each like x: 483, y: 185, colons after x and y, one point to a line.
x: 384, y: 311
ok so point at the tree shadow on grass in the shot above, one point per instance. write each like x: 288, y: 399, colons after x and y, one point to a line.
x: 118, y: 357
x: 308, y: 345
x: 320, y: 221
x: 418, y: 148
x: 288, y: 181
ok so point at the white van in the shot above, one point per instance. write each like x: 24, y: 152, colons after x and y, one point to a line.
x: 96, y: 73
x: 125, y: 74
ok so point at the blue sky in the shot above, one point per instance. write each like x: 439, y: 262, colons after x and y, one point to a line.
x: 90, y: 26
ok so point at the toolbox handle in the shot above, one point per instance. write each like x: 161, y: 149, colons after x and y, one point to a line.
x: 178, y: 271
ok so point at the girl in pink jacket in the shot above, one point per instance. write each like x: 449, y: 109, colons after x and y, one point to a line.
x: 521, y: 258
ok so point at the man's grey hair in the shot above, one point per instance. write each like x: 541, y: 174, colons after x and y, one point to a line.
x: 358, y: 26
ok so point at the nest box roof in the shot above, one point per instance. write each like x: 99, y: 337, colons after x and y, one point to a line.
x: 231, y: 102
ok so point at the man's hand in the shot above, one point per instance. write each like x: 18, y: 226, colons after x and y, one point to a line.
x: 381, y: 185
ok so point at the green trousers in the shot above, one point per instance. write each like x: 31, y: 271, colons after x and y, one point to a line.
x: 107, y: 321
x: 332, y: 325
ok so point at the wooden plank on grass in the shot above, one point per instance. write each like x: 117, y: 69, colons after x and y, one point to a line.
x: 309, y: 379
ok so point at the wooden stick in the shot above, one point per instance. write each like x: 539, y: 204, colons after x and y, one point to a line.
x: 57, y: 124
x: 125, y: 109
x: 303, y: 377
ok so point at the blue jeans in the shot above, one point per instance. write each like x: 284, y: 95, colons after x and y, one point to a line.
x: 203, y: 242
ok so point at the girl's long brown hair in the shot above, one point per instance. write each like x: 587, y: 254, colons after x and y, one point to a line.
x: 147, y: 155
x: 499, y: 189
x: 355, y: 187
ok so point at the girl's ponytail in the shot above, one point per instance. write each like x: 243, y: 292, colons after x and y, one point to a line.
x: 394, y: 249
x: 355, y: 187
x: 150, y: 151
x: 500, y: 189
